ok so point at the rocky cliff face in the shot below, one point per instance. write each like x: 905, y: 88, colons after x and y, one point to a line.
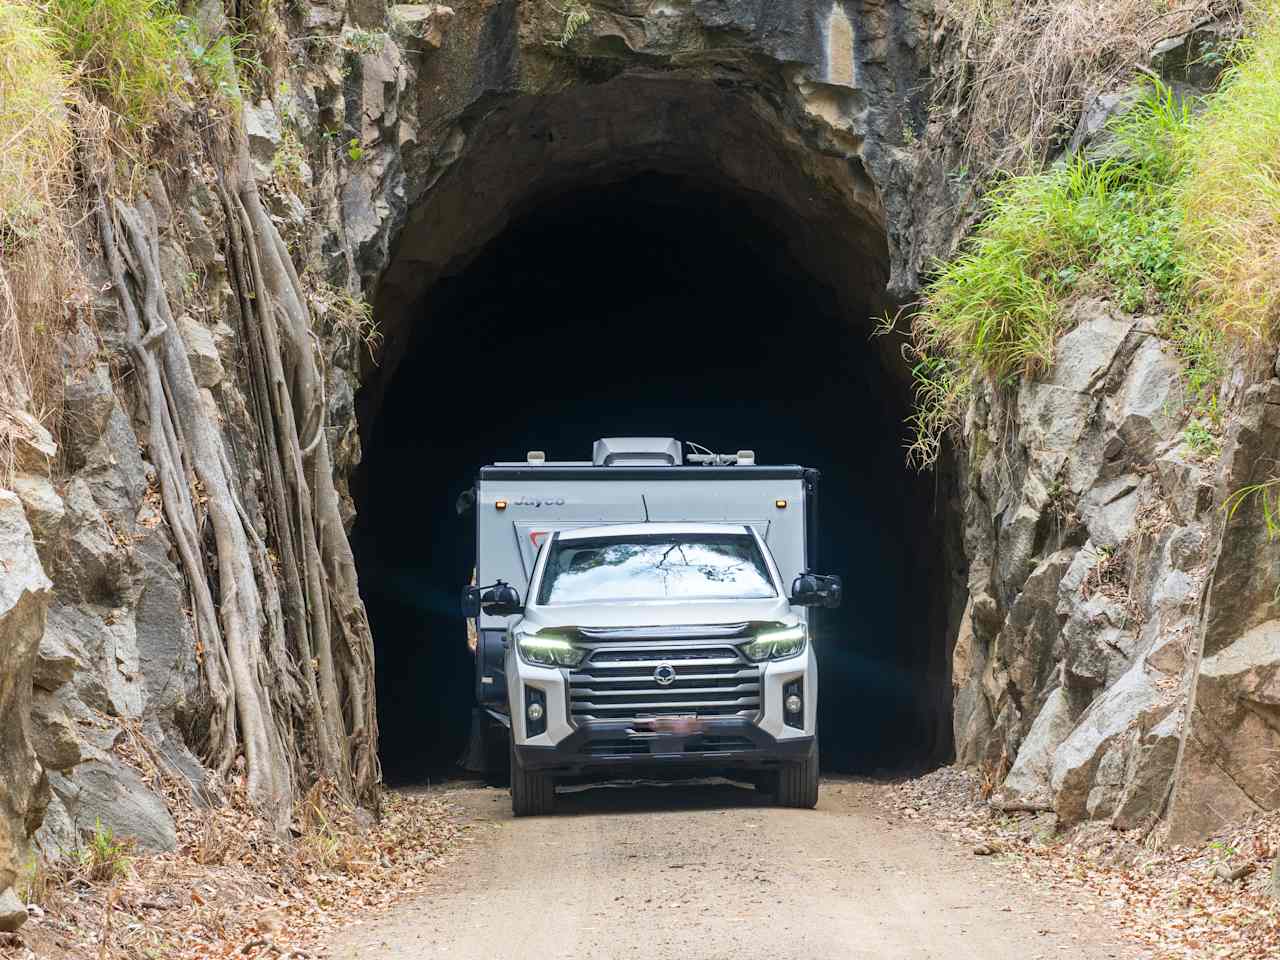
x: 1118, y: 655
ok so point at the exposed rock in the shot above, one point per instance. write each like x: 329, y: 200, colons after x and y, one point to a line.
x: 1234, y: 735
x: 53, y: 734
x: 33, y: 446
x: 262, y: 124
x: 1110, y: 511
x: 13, y: 913
x: 202, y: 352
x: 1121, y: 711
x: 420, y: 22
x: 1027, y: 785
x: 43, y: 507
x: 107, y: 791
x: 24, y: 595
x: 88, y: 400
x: 1146, y: 409
x: 1148, y: 774
x: 57, y: 660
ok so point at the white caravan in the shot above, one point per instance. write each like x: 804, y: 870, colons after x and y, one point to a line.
x: 647, y: 614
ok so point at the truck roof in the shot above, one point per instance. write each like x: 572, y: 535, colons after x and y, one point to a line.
x: 650, y: 529
x: 509, y: 472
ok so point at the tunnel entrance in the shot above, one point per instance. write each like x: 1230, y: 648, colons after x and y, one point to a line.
x: 655, y: 305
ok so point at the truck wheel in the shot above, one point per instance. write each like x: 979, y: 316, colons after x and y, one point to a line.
x: 532, y: 794
x: 798, y: 781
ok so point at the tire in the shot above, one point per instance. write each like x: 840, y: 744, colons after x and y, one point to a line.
x: 532, y: 794
x: 797, y: 782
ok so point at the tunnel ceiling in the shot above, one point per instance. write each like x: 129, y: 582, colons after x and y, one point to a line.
x: 822, y: 208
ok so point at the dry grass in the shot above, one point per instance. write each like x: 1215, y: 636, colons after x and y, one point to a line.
x: 1232, y: 194
x: 35, y: 125
x: 1025, y: 69
x: 36, y: 256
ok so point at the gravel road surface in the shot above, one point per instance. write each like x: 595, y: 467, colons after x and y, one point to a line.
x: 708, y: 871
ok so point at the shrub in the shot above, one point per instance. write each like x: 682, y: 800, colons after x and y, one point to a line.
x: 36, y: 269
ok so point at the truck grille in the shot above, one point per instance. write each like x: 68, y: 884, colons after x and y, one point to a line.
x: 620, y: 683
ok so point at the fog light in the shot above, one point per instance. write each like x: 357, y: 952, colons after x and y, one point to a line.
x: 793, y: 704
x: 535, y: 711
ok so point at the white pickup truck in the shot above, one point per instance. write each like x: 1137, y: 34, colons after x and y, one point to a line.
x: 640, y: 616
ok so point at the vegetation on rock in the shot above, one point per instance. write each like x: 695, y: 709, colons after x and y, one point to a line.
x: 1176, y: 218
x: 281, y: 636
x: 1087, y: 226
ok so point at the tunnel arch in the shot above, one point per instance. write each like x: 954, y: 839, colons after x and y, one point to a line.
x: 702, y: 217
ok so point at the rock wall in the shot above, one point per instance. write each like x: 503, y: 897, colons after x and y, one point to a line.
x: 1118, y: 657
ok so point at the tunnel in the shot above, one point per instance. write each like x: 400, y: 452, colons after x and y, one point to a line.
x: 650, y: 293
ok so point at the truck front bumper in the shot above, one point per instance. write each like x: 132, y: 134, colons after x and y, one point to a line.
x: 727, y: 743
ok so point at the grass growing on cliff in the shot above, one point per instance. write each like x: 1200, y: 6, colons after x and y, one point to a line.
x: 35, y: 132
x: 36, y: 144
x: 1108, y: 226
x: 1232, y: 193
x: 1021, y: 71
x: 128, y: 54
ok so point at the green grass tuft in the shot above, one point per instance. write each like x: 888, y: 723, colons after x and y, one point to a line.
x: 128, y: 54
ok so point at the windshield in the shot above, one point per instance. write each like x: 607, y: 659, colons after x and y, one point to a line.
x: 702, y: 566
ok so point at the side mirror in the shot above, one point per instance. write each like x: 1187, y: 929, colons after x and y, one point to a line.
x: 500, y: 600
x: 813, y: 590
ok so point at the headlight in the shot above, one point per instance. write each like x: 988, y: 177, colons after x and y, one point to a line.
x: 548, y: 650
x: 776, y: 644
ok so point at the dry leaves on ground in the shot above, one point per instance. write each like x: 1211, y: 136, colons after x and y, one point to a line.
x: 234, y: 889
x: 1173, y: 900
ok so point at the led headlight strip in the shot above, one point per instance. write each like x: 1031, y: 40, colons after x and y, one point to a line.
x: 776, y: 644
x: 548, y: 651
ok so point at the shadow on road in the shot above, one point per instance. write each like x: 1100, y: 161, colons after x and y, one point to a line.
x: 628, y: 796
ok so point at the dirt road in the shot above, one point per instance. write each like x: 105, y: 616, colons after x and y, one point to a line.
x: 707, y: 871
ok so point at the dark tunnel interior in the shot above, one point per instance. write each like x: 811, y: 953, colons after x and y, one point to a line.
x: 654, y: 306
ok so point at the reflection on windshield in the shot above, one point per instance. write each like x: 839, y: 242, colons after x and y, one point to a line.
x: 655, y: 567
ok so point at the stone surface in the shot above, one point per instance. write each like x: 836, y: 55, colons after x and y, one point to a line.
x: 421, y: 22
x: 13, y: 912
x: 1234, y: 734
x: 202, y: 352
x: 262, y: 124
x: 24, y: 595
x: 1082, y: 472
x: 1080, y: 788
x: 106, y: 790
x: 1027, y: 785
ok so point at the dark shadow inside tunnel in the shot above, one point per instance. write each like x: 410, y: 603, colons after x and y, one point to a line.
x: 653, y: 306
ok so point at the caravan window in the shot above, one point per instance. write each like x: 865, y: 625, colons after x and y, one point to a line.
x: 704, y: 566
